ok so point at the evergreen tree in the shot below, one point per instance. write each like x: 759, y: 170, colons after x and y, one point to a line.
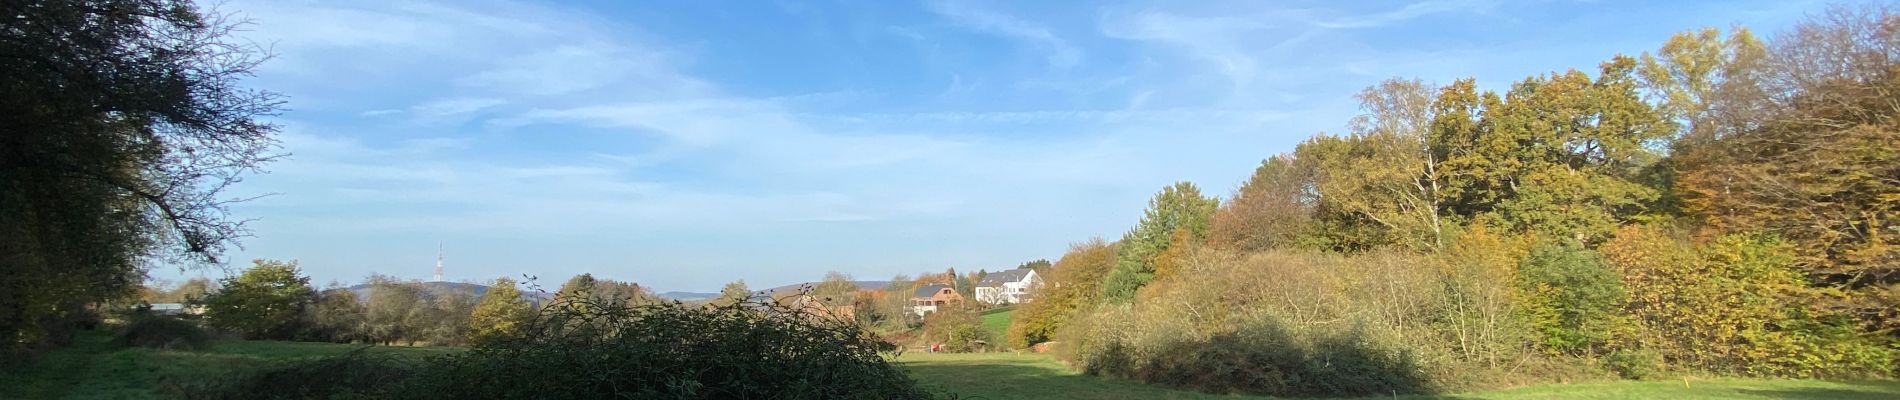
x: 1040, y: 266
x: 1178, y: 207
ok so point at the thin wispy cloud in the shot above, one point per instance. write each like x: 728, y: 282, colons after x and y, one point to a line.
x: 681, y: 146
x: 452, y: 108
x: 1060, y: 53
x: 1408, y: 12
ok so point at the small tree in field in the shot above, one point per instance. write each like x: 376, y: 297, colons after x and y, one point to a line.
x: 265, y: 302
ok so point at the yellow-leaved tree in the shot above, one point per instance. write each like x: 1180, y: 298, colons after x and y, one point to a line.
x: 500, y: 313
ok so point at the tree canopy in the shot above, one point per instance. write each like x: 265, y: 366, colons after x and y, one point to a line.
x: 500, y: 312
x: 1724, y: 204
x: 125, y: 121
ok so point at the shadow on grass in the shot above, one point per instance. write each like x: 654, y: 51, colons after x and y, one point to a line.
x: 978, y: 380
x: 1026, y: 379
x: 998, y: 380
x: 1824, y: 394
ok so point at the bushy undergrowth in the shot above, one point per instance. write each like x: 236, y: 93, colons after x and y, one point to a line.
x: 1634, y: 364
x: 1735, y: 305
x: 1265, y: 357
x: 1299, y: 324
x: 1490, y: 309
x: 1253, y: 324
x: 162, y: 332
x: 582, y: 349
x: 959, y: 330
x: 666, y: 350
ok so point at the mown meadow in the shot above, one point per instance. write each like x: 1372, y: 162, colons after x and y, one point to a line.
x: 96, y: 368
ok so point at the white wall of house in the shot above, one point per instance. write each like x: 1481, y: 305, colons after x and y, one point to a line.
x: 989, y: 294
x: 1009, y: 292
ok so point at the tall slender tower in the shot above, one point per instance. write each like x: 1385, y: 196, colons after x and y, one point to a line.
x: 438, y: 261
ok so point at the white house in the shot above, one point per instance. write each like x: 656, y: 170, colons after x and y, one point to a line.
x: 1007, y: 287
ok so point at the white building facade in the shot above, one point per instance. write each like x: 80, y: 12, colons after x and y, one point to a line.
x: 1008, y: 287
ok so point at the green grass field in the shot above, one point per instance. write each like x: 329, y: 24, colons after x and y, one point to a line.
x: 95, y: 368
x: 997, y: 320
x: 1036, y: 376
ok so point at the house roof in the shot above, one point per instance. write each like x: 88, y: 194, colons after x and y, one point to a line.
x: 999, y: 277
x: 930, y: 290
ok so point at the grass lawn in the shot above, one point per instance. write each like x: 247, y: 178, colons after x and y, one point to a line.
x: 95, y: 368
x: 1036, y: 376
x: 1025, y: 376
x: 997, y: 320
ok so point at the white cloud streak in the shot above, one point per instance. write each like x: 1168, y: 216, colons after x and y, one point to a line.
x: 1061, y: 53
x: 534, y: 123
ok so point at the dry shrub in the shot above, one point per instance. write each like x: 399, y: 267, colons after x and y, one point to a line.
x: 959, y: 330
x: 578, y: 348
x: 1275, y: 323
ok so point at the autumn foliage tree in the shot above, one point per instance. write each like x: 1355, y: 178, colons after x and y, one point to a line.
x: 1385, y: 175
x: 1736, y: 304
x: 1072, y: 285
x: 500, y: 312
x: 1558, y: 154
x: 1724, y: 204
x: 1271, y: 210
x: 1816, y: 162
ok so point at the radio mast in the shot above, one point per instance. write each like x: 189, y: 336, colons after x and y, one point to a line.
x: 438, y: 261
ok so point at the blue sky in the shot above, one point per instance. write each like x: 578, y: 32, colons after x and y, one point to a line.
x: 684, y: 144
